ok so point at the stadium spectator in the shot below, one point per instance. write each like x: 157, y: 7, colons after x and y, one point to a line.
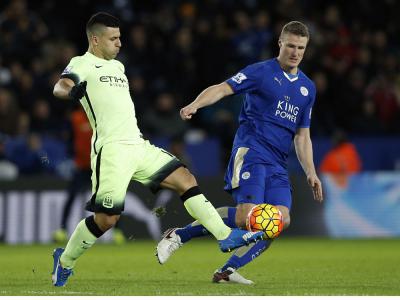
x: 9, y: 113
x: 21, y: 29
x: 27, y: 153
x: 343, y: 158
x: 163, y: 118
x: 383, y: 94
x: 81, y: 179
x: 42, y: 120
x: 367, y: 122
x: 8, y: 170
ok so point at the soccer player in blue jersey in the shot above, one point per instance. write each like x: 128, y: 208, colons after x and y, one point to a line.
x: 276, y: 111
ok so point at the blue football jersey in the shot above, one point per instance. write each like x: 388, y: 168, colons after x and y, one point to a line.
x: 275, y: 105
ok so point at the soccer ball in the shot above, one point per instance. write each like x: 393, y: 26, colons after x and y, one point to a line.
x: 266, y: 218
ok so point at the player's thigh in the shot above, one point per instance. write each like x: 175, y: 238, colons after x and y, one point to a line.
x: 155, y: 166
x: 245, y: 176
x: 113, y: 169
x: 251, y: 186
x: 250, y: 191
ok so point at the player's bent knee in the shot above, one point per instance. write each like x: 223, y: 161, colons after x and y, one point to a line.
x: 286, y: 216
x: 181, y: 180
x: 105, y: 222
x: 286, y: 222
x: 242, y: 212
x: 189, y: 180
x: 188, y: 183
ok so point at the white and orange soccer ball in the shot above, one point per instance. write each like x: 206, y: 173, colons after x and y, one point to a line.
x: 266, y: 218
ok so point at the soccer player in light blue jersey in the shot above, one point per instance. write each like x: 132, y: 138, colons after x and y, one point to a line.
x: 119, y: 154
x: 276, y: 111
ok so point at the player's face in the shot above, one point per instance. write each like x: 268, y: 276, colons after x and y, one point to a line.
x: 109, y: 42
x: 291, y: 51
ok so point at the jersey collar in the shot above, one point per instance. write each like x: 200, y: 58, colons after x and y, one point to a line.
x: 95, y: 59
x: 290, y: 77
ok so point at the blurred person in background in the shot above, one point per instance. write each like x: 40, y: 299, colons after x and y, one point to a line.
x: 276, y: 111
x: 21, y: 29
x: 8, y: 170
x: 81, y: 178
x: 366, y: 122
x: 43, y: 121
x: 119, y: 154
x: 382, y: 92
x: 163, y: 119
x: 9, y: 113
x: 342, y: 160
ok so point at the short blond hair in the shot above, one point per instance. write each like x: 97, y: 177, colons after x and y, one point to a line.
x: 296, y: 28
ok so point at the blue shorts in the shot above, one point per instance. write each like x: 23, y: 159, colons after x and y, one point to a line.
x: 251, y: 180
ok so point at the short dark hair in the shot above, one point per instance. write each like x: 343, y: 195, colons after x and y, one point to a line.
x: 296, y: 28
x: 101, y: 18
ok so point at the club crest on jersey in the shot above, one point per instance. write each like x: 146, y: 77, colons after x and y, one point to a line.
x: 108, y: 202
x: 246, y: 175
x: 239, y: 78
x: 304, y: 91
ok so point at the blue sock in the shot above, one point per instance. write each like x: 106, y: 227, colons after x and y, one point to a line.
x: 230, y: 219
x: 195, y: 229
x: 246, y: 254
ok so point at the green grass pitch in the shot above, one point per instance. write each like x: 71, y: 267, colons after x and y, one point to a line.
x: 292, y: 266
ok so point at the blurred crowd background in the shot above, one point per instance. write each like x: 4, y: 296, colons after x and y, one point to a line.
x: 172, y: 50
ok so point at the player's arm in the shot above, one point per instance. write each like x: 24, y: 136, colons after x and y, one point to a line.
x: 65, y: 88
x: 209, y: 96
x: 304, y: 151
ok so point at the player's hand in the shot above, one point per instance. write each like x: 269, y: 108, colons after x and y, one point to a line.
x: 78, y: 90
x: 187, y: 112
x: 316, y: 187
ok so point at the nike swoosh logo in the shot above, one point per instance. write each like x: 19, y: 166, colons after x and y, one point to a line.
x: 97, y: 66
x: 168, y: 235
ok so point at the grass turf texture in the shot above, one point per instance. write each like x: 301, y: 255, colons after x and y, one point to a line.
x: 290, y: 267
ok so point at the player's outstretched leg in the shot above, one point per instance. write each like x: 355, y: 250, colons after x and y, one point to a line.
x: 59, y: 275
x: 241, y: 257
x: 239, y: 238
x: 182, y: 181
x: 171, y: 242
x: 174, y: 238
x: 244, y: 255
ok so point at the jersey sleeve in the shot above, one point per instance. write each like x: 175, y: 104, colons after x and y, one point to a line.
x: 305, y: 120
x: 247, y: 80
x: 76, y: 70
x: 121, y: 66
